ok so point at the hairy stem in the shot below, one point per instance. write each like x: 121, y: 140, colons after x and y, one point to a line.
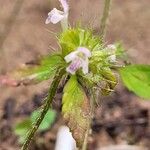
x: 104, y: 18
x: 45, y: 108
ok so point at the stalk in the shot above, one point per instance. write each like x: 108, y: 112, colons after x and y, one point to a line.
x: 104, y: 18
x: 92, y: 105
x: 46, y: 106
x: 84, y: 146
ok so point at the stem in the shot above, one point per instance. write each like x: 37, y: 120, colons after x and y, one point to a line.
x: 46, y: 105
x: 104, y: 18
x: 92, y: 104
x: 84, y: 146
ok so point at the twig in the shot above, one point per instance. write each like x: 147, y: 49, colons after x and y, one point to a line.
x: 46, y: 106
x: 104, y: 18
x: 10, y: 22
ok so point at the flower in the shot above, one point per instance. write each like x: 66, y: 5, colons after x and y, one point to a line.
x: 111, y: 49
x: 78, y: 59
x: 55, y: 15
x: 112, y: 58
x: 64, y: 140
x: 111, y: 46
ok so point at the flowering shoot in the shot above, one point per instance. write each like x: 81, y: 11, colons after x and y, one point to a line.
x: 55, y: 15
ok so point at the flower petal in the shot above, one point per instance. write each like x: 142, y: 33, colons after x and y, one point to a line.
x: 78, y: 61
x: 65, y: 5
x: 70, y: 71
x: 64, y: 139
x: 84, y: 51
x: 112, y: 58
x: 54, y: 16
x: 71, y: 56
x: 111, y: 46
x: 75, y: 65
x: 85, y: 66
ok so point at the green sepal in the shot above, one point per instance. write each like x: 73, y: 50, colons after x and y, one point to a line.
x: 73, y: 38
x: 109, y: 82
x: 120, y: 51
x: 89, y: 80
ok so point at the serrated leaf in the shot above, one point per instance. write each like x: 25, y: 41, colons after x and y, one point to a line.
x: 47, y: 121
x: 43, y: 69
x: 137, y: 79
x: 76, y: 109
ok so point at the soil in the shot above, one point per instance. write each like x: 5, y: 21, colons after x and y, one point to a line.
x: 121, y: 118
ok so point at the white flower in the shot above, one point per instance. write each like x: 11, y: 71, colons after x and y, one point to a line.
x: 111, y: 49
x: 112, y: 58
x: 64, y: 140
x: 111, y: 46
x: 55, y: 15
x: 78, y: 59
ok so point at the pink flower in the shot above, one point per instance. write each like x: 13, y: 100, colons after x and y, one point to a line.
x: 55, y: 15
x: 78, y: 59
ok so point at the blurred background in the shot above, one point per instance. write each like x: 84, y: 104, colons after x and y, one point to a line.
x: 121, y: 118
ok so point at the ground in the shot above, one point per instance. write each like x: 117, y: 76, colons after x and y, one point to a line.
x: 122, y: 117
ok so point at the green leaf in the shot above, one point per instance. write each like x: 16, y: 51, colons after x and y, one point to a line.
x: 22, y: 128
x: 47, y: 121
x: 42, y: 69
x: 137, y: 79
x: 76, y: 37
x: 76, y: 109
